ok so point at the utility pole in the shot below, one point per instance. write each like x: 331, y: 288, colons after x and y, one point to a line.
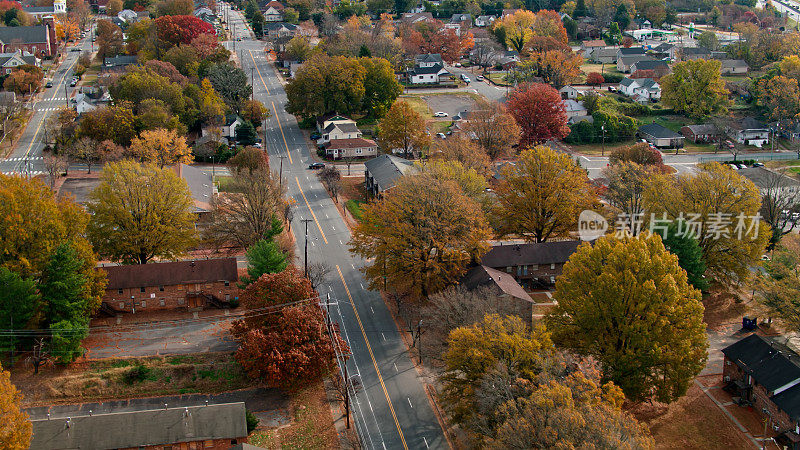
x: 419, y: 339
x: 252, y: 83
x: 603, y: 150
x: 66, y: 96
x: 280, y: 172
x: 305, y: 256
x: 346, y: 382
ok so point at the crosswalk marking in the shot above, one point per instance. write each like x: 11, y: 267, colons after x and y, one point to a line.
x: 32, y: 173
x: 48, y: 109
x: 30, y: 158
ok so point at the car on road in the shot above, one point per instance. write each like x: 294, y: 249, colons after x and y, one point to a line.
x: 441, y: 135
x: 742, y: 166
x: 257, y: 145
x: 465, y: 78
x: 75, y: 49
x: 316, y: 165
x: 734, y: 166
x: 74, y: 82
x: 479, y: 78
x: 440, y: 114
x: 49, y: 84
x: 315, y: 136
x: 758, y: 164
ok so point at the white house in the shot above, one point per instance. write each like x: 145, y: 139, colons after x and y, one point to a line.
x: 229, y: 127
x: 733, y: 66
x: 10, y: 61
x: 574, y: 108
x: 339, y: 129
x: 751, y: 132
x: 83, y: 107
x: 568, y: 93
x: 646, y: 88
x: 485, y: 21
x: 273, y: 11
x: 428, y: 60
x: 428, y: 69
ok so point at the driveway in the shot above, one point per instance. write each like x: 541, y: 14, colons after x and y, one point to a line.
x: 451, y: 104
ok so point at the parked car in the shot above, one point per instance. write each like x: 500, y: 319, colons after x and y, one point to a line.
x: 479, y: 78
x: 315, y: 136
x: 441, y: 135
x: 742, y: 166
x: 440, y: 114
x: 74, y: 82
x: 257, y: 145
x: 758, y: 164
x: 316, y: 165
x: 734, y: 166
x: 75, y: 49
x: 49, y: 84
x: 465, y: 78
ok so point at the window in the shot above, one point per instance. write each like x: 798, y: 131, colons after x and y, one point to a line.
x: 227, y: 297
x: 161, y: 288
x: 508, y: 269
x: 162, y: 301
x: 141, y: 289
x: 8, y: 70
x: 144, y: 304
x: 121, y: 305
x: 227, y: 283
x: 359, y: 151
x: 534, y: 267
x: 119, y: 291
x: 180, y: 301
x: 552, y: 266
x: 208, y: 444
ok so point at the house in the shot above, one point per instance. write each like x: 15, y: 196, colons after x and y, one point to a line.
x: 381, y: 173
x: 574, y: 108
x: 766, y: 374
x: 351, y: 148
x: 274, y: 30
x: 507, y: 59
x: 629, y: 51
x: 215, y: 426
x: 38, y: 12
x: 39, y: 40
x: 170, y: 285
x: 294, y: 67
x: 765, y: 179
x: 341, y: 129
x: 693, y: 53
x: 733, y: 66
x: 10, y: 61
x: 750, y: 132
x: 589, y: 47
x: 700, y: 133
x: 232, y: 121
x: 128, y: 15
x: 658, y: 67
x: 118, y: 63
x: 435, y: 74
x: 660, y: 136
x: 508, y: 12
x: 645, y: 88
x: 533, y: 265
x: 568, y: 93
x: 327, y: 120
x: 273, y: 11
x: 580, y: 118
x: 411, y: 18
x: 428, y: 60
x: 83, y: 107
x: 664, y: 51
x: 624, y: 63
x: 500, y: 283
x: 485, y: 21
x: 459, y: 23
x: 604, y: 55
x: 201, y: 187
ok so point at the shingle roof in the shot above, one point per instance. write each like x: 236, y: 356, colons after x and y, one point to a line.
x: 428, y: 58
x: 658, y: 131
x: 556, y: 252
x: 351, y: 143
x: 702, y: 129
x: 137, y: 429
x: 38, y: 9
x: 733, y: 63
x: 120, y: 60
x: 171, y: 273
x: 386, y: 169
x: 347, y: 127
x: 200, y: 185
x: 26, y: 35
x: 481, y: 276
x: 631, y: 51
x: 695, y: 51
x: 789, y: 402
x: 650, y: 64
x: 417, y: 70
x: 765, y: 178
x: 771, y: 364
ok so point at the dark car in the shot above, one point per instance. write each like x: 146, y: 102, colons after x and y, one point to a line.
x: 49, y: 84
x: 316, y: 165
x: 315, y: 136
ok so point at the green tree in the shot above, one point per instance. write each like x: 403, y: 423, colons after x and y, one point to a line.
x: 246, y: 133
x: 265, y: 256
x: 404, y: 129
x: 542, y: 195
x: 19, y: 300
x: 628, y: 303
x: 291, y: 15
x: 325, y: 84
x: 230, y: 82
x: 381, y: 87
x: 140, y: 212
x: 298, y: 49
x: 696, y: 88
x: 689, y: 253
x: 623, y: 18
x: 709, y: 40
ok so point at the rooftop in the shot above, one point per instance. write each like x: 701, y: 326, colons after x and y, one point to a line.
x: 483, y: 276
x: 171, y: 273
x: 659, y: 131
x: 770, y: 363
x: 554, y: 252
x: 386, y: 169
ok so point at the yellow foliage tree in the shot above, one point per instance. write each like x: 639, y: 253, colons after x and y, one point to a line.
x: 16, y: 429
x: 161, y: 147
x: 403, y: 128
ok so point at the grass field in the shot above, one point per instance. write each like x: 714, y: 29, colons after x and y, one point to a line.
x: 600, y: 68
x: 354, y: 206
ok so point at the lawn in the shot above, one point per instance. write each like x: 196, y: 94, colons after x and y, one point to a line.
x: 439, y: 126
x: 600, y: 68
x: 354, y: 206
x: 131, y: 377
x: 499, y: 78
x: 223, y: 183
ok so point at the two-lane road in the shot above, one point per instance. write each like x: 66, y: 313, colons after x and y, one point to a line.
x: 391, y: 409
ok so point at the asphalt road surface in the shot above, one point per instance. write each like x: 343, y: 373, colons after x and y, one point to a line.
x: 391, y: 409
x: 27, y: 155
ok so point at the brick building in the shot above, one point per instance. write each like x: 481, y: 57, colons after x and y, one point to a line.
x: 533, y: 265
x: 766, y: 374
x: 182, y: 284
x: 213, y: 426
x: 39, y: 40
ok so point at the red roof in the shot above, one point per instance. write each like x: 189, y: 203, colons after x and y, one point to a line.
x: 351, y: 143
x: 171, y: 273
x: 275, y: 4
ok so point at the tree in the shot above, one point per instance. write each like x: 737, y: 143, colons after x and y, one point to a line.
x: 708, y: 40
x: 26, y: 79
x: 298, y: 49
x: 110, y: 41
x: 652, y: 353
x: 19, y: 300
x: 381, y: 87
x: 211, y: 105
x: 689, y: 253
x: 265, y: 256
x: 246, y: 133
x: 255, y: 112
x: 595, y: 78
x: 625, y: 191
x: 695, y: 88
x: 181, y: 29
x: 271, y: 291
x: 471, y: 183
x: 421, y: 236
x: 108, y: 123
x: 300, y: 351
x: 161, y: 147
x: 575, y: 412
x: 249, y: 158
x: 722, y: 207
x: 231, y: 84
x: 542, y: 195
x: 434, y: 37
x: 779, y: 199
x: 465, y: 151
x: 249, y: 213
x: 404, y: 129
x: 516, y: 29
x: 640, y: 153
x: 140, y: 212
x: 780, y: 98
x: 623, y: 18
x: 17, y: 429
x: 325, y: 84
x: 332, y: 180
x: 290, y: 15
x: 494, y: 129
x: 539, y: 111
x: 778, y: 288
x: 114, y: 7
x: 557, y: 67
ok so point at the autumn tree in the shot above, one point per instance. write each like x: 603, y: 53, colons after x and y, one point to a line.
x: 539, y: 111
x: 181, y: 29
x: 17, y: 430
x: 518, y: 30
x: 780, y: 198
x: 464, y: 150
x: 494, y: 129
x: 779, y: 288
x: 421, y: 236
x: 249, y: 158
x: 271, y: 290
x: 404, y: 129
x: 114, y: 7
x: 26, y: 79
x: 249, y: 212
x: 381, y: 87
x: 695, y: 88
x: 640, y: 153
x: 160, y: 147
x: 140, y: 212
x: 556, y: 67
x: 722, y: 207
x: 780, y: 98
x: 652, y: 353
x: 625, y: 187
x: 434, y: 37
x: 325, y: 84
x: 109, y: 123
x: 595, y: 79
x: 110, y: 41
x: 255, y: 112
x: 542, y: 195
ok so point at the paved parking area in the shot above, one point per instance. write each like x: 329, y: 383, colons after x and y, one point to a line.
x: 451, y: 104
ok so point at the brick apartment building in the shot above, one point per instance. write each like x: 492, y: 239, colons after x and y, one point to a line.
x: 39, y: 40
x: 213, y: 426
x: 171, y: 285
x: 533, y: 265
x: 766, y: 374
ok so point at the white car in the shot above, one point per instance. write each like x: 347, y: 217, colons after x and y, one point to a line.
x: 440, y: 114
x: 479, y: 78
x: 441, y: 135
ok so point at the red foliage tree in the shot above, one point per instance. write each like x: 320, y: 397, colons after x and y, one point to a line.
x: 181, y: 29
x: 433, y: 37
x: 166, y: 69
x: 595, y: 78
x: 5, y: 5
x: 271, y: 290
x: 539, y: 111
x: 639, y: 153
x: 293, y: 353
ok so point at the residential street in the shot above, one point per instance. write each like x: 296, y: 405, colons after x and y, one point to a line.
x: 392, y: 409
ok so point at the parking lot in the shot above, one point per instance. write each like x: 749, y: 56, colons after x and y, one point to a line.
x: 450, y: 104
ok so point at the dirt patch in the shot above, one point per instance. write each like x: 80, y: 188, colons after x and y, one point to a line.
x: 311, y: 426
x: 129, y: 378
x: 724, y: 308
x: 693, y: 422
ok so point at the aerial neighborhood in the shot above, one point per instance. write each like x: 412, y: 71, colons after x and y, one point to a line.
x: 450, y: 224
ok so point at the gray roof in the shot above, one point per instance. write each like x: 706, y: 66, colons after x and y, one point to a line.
x: 733, y: 63
x: 417, y: 70
x: 696, y: 51
x: 658, y: 131
x: 626, y: 81
x: 483, y: 276
x: 142, y: 428
x: 606, y: 52
x: 629, y: 60
x: 25, y: 35
x: 765, y: 178
x: 771, y: 364
x: 702, y: 129
x: 663, y: 47
x: 38, y: 9
x: 750, y: 123
x: 276, y: 26
x: 345, y: 127
x: 650, y: 65
x: 456, y: 18
x: 630, y: 51
x: 428, y: 58
x: 200, y: 185
x: 120, y: 61
x: 554, y: 252
x: 386, y: 169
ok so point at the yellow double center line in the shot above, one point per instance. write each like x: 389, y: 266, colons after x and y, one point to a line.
x: 374, y: 362
x: 314, y: 216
